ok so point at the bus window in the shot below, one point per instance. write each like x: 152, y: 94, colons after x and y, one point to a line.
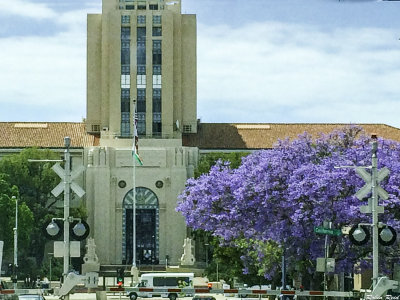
x: 171, y: 281
x: 158, y: 281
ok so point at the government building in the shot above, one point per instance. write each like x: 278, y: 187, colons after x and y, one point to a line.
x: 141, y: 69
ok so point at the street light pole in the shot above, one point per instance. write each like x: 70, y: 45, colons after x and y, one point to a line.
x: 15, y: 242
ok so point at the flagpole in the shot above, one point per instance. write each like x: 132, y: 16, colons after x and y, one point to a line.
x: 134, y: 270
x: 134, y: 213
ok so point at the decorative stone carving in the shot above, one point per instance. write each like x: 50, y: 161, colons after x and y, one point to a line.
x: 187, y: 258
x: 91, y: 261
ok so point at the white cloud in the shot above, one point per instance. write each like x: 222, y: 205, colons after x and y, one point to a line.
x: 260, y: 68
x: 46, y: 72
x: 24, y: 8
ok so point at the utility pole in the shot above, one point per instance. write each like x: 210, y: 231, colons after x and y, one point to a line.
x: 67, y: 185
x: 15, y: 242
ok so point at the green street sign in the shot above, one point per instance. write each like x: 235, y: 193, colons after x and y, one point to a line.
x: 322, y: 230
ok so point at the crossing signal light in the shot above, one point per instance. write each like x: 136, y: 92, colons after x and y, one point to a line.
x: 78, y: 230
x: 53, y: 231
x: 359, y: 235
x: 120, y: 277
x: 387, y: 236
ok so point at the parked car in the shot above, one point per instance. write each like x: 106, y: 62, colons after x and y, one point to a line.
x: 205, y: 297
x: 31, y: 297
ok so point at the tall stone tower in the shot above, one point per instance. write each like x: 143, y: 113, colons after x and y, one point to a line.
x: 141, y: 56
x: 141, y: 53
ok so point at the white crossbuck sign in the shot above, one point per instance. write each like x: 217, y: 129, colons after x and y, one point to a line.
x: 366, y: 189
x: 74, y: 186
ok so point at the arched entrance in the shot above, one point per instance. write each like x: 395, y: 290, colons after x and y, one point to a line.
x: 147, y: 224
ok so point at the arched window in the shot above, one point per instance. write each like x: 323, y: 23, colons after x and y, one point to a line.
x: 147, y: 227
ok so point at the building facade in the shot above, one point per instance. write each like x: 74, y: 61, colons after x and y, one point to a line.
x: 141, y: 61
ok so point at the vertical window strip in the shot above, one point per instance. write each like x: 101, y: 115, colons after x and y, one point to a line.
x: 125, y: 77
x: 141, y: 111
x: 157, y: 52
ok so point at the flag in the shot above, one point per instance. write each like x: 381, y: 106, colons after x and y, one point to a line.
x: 135, y: 147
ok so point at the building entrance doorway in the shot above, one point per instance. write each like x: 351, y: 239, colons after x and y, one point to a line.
x: 147, y: 227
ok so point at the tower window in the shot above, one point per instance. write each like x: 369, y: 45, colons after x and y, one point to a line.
x: 125, y: 33
x: 125, y: 68
x: 156, y: 100
x: 141, y: 81
x: 125, y: 56
x: 125, y: 19
x: 141, y: 95
x: 141, y: 19
x: 141, y: 33
x: 153, y: 6
x: 125, y: 94
x: 156, y: 81
x: 125, y: 81
x: 156, y: 69
x: 157, y: 20
x: 157, y: 31
x: 130, y: 7
x: 141, y: 69
x: 156, y: 124
x: 141, y: 7
x: 157, y: 52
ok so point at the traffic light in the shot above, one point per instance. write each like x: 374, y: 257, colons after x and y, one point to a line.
x: 120, y: 276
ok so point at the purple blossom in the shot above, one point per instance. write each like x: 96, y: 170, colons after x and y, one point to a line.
x: 281, y: 194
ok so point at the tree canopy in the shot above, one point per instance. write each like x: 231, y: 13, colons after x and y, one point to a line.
x: 276, y: 197
x: 7, y: 217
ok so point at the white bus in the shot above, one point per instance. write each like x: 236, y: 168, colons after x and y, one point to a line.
x: 162, y: 281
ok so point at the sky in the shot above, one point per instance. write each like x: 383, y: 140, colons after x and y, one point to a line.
x: 258, y: 61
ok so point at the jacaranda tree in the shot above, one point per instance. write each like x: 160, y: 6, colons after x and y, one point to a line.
x: 276, y: 197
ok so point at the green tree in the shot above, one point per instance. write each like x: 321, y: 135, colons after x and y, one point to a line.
x: 209, y: 160
x: 7, y: 218
x: 34, y: 180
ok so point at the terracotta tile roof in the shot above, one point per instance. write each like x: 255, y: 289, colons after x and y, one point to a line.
x: 44, y: 135
x: 220, y: 136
